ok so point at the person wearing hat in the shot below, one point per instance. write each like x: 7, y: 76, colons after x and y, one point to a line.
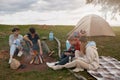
x: 15, y: 40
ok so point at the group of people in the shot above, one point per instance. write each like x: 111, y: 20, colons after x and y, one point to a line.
x: 16, y: 42
x: 81, y: 55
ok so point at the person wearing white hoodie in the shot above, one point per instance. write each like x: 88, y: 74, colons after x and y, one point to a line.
x: 89, y: 59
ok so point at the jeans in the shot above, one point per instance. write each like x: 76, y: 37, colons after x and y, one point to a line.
x: 64, y: 59
x: 13, y: 48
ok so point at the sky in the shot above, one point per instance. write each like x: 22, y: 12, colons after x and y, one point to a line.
x: 50, y: 12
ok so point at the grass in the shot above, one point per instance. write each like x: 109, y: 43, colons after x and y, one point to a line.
x: 107, y: 46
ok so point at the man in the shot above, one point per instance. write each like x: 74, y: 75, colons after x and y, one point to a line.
x: 34, y: 41
x: 15, y: 40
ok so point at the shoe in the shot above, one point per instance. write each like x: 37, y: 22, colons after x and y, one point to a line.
x: 57, y: 67
x: 50, y: 64
x: 22, y: 66
x: 78, y: 69
x: 9, y: 61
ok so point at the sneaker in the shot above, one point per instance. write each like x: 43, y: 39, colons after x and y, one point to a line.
x: 57, y: 67
x: 78, y: 69
x: 50, y: 64
x: 9, y: 61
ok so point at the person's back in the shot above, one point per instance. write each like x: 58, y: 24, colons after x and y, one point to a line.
x: 92, y: 56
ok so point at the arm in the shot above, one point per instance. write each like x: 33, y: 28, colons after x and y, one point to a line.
x: 27, y: 39
x: 39, y: 43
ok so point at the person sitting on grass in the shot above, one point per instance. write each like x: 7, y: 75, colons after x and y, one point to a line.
x: 70, y: 53
x: 15, y: 40
x: 89, y: 60
x: 34, y: 41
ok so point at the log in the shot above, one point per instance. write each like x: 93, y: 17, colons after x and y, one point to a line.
x: 59, y: 46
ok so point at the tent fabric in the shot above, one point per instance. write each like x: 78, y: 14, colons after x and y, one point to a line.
x: 94, y: 25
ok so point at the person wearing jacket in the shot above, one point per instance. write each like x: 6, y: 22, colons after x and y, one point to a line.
x: 15, y: 40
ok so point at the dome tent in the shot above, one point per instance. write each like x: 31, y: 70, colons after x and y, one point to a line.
x: 94, y: 25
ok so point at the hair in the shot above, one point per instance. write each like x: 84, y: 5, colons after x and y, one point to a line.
x: 32, y: 30
x: 15, y: 29
x: 83, y: 39
x: 71, y: 38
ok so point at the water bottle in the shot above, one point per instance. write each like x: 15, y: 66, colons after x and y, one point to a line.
x: 67, y: 44
x: 51, y: 36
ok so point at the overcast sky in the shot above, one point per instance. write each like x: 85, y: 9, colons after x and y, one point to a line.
x: 60, y: 12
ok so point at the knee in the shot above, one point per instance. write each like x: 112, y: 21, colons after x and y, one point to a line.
x: 77, y: 51
x: 77, y: 61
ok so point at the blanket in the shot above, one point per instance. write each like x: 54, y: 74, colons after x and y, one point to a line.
x: 109, y: 69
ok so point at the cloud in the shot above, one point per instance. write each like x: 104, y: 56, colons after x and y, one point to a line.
x: 45, y: 11
x: 57, y: 5
x: 48, y: 17
x: 12, y: 6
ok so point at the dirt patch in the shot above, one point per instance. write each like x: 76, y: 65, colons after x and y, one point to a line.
x: 4, y: 54
x: 36, y: 67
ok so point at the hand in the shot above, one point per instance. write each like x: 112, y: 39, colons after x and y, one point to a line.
x: 41, y: 53
x: 67, y: 53
x: 31, y: 43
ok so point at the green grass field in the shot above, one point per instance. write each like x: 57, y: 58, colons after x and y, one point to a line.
x: 107, y: 46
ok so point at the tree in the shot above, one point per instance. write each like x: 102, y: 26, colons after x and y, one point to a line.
x: 111, y: 6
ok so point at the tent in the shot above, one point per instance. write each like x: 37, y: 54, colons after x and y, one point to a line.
x: 94, y: 25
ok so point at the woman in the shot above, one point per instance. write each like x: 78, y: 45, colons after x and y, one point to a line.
x: 15, y: 40
x: 89, y: 59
